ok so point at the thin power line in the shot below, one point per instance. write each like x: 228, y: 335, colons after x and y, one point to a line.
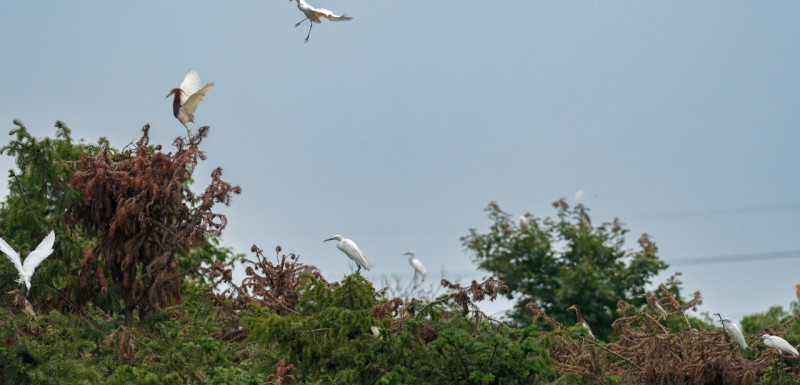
x: 737, y: 258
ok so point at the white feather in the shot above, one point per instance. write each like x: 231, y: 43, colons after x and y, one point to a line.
x: 734, y: 332
x: 190, y: 84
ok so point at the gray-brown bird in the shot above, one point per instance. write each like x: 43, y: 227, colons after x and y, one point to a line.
x: 655, y: 304
x: 22, y: 303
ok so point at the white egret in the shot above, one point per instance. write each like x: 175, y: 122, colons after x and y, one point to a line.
x: 655, y: 304
x: 349, y: 248
x: 733, y: 330
x: 578, y: 194
x: 314, y: 15
x: 33, y: 259
x: 581, y: 320
x: 779, y: 344
x: 187, y: 97
x: 416, y: 264
x: 523, y: 223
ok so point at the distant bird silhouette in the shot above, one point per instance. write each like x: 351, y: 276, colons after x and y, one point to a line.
x: 33, y: 259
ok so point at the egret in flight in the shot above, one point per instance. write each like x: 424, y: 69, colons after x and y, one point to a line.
x: 733, y: 330
x: 187, y: 97
x: 349, y: 248
x: 419, y: 268
x: 779, y: 344
x: 314, y: 15
x: 33, y: 259
x: 581, y: 320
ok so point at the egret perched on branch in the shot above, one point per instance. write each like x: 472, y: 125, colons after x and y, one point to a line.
x: 581, y: 320
x: 33, y: 259
x: 416, y: 264
x: 187, y: 97
x: 779, y: 344
x: 314, y: 15
x: 655, y: 304
x: 349, y: 248
x: 732, y: 330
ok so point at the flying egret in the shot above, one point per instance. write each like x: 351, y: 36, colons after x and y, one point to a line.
x: 22, y: 303
x: 349, y: 248
x: 33, y: 259
x: 733, y: 330
x: 416, y: 264
x: 314, y: 15
x: 187, y: 97
x: 655, y: 304
x: 581, y: 320
x: 779, y: 344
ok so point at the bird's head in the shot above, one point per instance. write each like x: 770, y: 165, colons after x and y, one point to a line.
x: 174, y: 91
x: 573, y: 307
x: 410, y: 252
x: 335, y: 237
x: 763, y: 337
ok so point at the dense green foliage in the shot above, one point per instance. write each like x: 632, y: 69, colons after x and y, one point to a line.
x: 593, y: 270
x: 286, y: 324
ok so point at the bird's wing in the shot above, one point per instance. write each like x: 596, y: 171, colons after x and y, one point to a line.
x: 330, y: 15
x: 189, y: 85
x: 12, y: 254
x: 354, y: 252
x: 193, y: 101
x: 41, y: 253
x: 419, y: 267
x: 734, y: 331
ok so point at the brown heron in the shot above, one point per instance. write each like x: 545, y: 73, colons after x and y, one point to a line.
x: 581, y: 320
x: 187, y: 97
x: 21, y: 302
x: 314, y: 15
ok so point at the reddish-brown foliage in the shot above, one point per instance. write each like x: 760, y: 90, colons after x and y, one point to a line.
x: 142, y: 211
x: 283, y: 375
x: 647, y: 353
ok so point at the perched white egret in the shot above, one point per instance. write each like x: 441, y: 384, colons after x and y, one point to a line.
x: 733, y: 330
x: 416, y: 264
x: 187, y: 97
x: 523, y: 223
x: 655, y: 304
x: 33, y: 259
x: 779, y: 344
x: 349, y: 248
x: 314, y: 15
x: 581, y: 320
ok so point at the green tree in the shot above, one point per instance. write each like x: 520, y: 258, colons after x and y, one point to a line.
x: 592, y: 269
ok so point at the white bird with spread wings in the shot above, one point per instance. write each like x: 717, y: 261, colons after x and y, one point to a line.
x: 315, y: 15
x: 33, y: 259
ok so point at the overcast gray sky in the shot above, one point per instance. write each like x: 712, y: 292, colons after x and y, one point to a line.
x: 397, y: 128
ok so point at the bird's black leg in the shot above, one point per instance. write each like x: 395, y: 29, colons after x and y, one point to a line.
x: 300, y: 22
x: 311, y: 25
